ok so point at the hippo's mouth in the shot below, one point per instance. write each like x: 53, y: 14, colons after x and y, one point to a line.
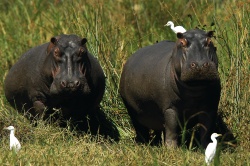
x: 196, y: 83
x: 201, y: 76
x: 65, y: 95
x: 58, y: 90
x: 69, y: 92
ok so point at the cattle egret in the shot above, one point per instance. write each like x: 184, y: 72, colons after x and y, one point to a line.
x: 176, y: 29
x: 14, y: 143
x: 211, y: 148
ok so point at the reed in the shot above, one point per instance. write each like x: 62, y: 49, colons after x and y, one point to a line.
x: 116, y: 29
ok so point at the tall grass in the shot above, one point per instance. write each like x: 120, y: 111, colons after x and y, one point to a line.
x: 116, y: 29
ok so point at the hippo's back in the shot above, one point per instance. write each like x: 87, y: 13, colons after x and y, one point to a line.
x: 146, y: 58
x: 24, y: 72
x: 146, y: 66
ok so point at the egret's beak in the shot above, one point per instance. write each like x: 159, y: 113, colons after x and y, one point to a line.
x: 165, y: 25
x: 219, y: 135
x: 5, y: 128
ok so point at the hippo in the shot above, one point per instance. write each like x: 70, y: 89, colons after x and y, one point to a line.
x: 59, y: 75
x: 171, y: 86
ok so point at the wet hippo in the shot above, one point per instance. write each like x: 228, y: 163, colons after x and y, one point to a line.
x: 171, y: 85
x: 58, y: 75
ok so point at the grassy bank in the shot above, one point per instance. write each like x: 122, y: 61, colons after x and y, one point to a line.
x: 116, y: 29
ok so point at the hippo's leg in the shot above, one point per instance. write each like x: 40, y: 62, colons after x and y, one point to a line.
x: 142, y: 132
x: 39, y: 108
x: 170, y: 125
x: 157, y: 140
x: 208, y: 124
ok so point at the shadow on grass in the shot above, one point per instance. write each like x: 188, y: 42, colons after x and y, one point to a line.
x: 96, y: 123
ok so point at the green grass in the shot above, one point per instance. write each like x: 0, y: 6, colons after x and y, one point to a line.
x: 116, y: 29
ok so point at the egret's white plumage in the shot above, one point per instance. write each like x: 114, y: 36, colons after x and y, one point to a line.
x: 211, y: 148
x: 14, y: 143
x: 176, y: 29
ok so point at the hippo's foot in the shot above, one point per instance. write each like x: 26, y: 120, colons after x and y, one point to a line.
x: 171, y: 143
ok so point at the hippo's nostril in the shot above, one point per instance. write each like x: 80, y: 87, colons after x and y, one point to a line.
x: 206, y: 64
x: 193, y: 65
x: 77, y: 83
x: 63, y: 83
x: 70, y: 84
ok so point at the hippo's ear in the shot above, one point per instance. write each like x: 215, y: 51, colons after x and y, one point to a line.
x: 53, y: 42
x: 182, y: 40
x: 84, y: 41
x: 179, y: 35
x: 210, y: 34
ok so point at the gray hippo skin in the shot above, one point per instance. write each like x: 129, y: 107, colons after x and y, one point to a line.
x: 61, y: 74
x: 171, y: 85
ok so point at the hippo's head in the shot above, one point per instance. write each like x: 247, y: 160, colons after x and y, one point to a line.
x: 68, y: 65
x: 195, y: 58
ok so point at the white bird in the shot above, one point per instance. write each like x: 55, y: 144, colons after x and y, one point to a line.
x: 14, y: 143
x: 177, y: 28
x: 211, y: 148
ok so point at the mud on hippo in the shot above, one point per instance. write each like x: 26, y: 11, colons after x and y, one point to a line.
x: 171, y: 85
x: 59, y: 75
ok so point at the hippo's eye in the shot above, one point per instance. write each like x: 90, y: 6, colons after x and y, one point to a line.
x: 81, y: 51
x: 208, y: 41
x: 57, y: 52
x: 183, y: 42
